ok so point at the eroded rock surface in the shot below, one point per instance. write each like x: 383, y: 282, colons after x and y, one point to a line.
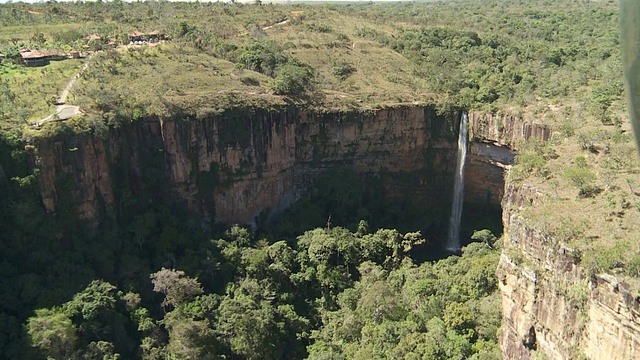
x: 549, y: 304
x: 235, y: 165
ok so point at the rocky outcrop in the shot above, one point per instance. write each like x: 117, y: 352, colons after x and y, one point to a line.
x: 492, y: 138
x: 484, y: 173
x: 239, y: 164
x: 550, y: 305
x: 235, y: 165
x: 504, y: 129
x: 614, y: 320
x: 75, y: 170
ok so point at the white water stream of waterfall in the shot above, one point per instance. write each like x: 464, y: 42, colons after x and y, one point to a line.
x: 453, y: 238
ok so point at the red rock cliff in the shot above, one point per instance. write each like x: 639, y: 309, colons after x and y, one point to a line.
x: 549, y: 305
x: 236, y: 164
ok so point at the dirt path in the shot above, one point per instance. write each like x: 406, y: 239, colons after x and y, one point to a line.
x: 63, y: 111
x: 276, y: 24
x: 265, y: 28
x: 65, y: 92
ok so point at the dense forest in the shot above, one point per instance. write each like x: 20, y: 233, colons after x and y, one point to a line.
x: 331, y: 294
x: 157, y: 281
x: 167, y: 283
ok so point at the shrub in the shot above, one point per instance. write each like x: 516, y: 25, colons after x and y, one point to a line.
x: 293, y: 79
x: 529, y: 163
x: 321, y: 28
x: 633, y: 266
x: 600, y: 260
x: 582, y: 178
x: 250, y: 81
x: 342, y: 69
x: 587, y: 139
x: 263, y: 57
x: 485, y: 236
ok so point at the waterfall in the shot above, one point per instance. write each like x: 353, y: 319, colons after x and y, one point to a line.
x: 453, y: 239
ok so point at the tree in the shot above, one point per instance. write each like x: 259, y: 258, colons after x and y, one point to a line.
x: 485, y: 236
x: 582, y: 178
x: 389, y: 246
x: 329, y: 254
x: 255, y: 326
x: 38, y: 38
x: 175, y: 285
x: 100, y: 350
x: 191, y: 339
x: 94, y: 306
x: 379, y: 302
x: 52, y: 331
x: 264, y: 57
x: 184, y: 29
x: 293, y: 79
x: 459, y: 317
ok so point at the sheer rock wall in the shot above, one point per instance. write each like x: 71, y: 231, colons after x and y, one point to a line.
x: 549, y: 304
x: 235, y: 165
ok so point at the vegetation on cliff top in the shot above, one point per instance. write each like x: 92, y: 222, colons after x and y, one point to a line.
x: 492, y: 55
x: 555, y: 62
x: 558, y: 65
x: 587, y: 196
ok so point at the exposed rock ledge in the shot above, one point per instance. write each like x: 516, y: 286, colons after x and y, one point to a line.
x: 549, y: 305
x: 233, y: 166
x: 505, y: 129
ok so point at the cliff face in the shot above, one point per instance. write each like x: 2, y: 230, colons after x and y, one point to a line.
x: 235, y: 165
x: 505, y: 130
x: 244, y: 163
x: 550, y: 305
x: 492, y: 137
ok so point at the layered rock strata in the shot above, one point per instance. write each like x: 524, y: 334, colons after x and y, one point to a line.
x: 235, y: 165
x: 550, y: 306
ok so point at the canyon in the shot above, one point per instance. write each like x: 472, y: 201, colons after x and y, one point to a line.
x: 244, y: 164
x: 248, y: 163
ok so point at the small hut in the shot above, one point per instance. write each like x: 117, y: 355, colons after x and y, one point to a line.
x: 155, y: 36
x: 33, y: 58
x: 136, y: 36
x: 94, y: 37
x: 55, y: 55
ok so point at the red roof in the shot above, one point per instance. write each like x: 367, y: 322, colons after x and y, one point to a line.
x: 95, y: 36
x: 32, y: 54
x: 54, y: 52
